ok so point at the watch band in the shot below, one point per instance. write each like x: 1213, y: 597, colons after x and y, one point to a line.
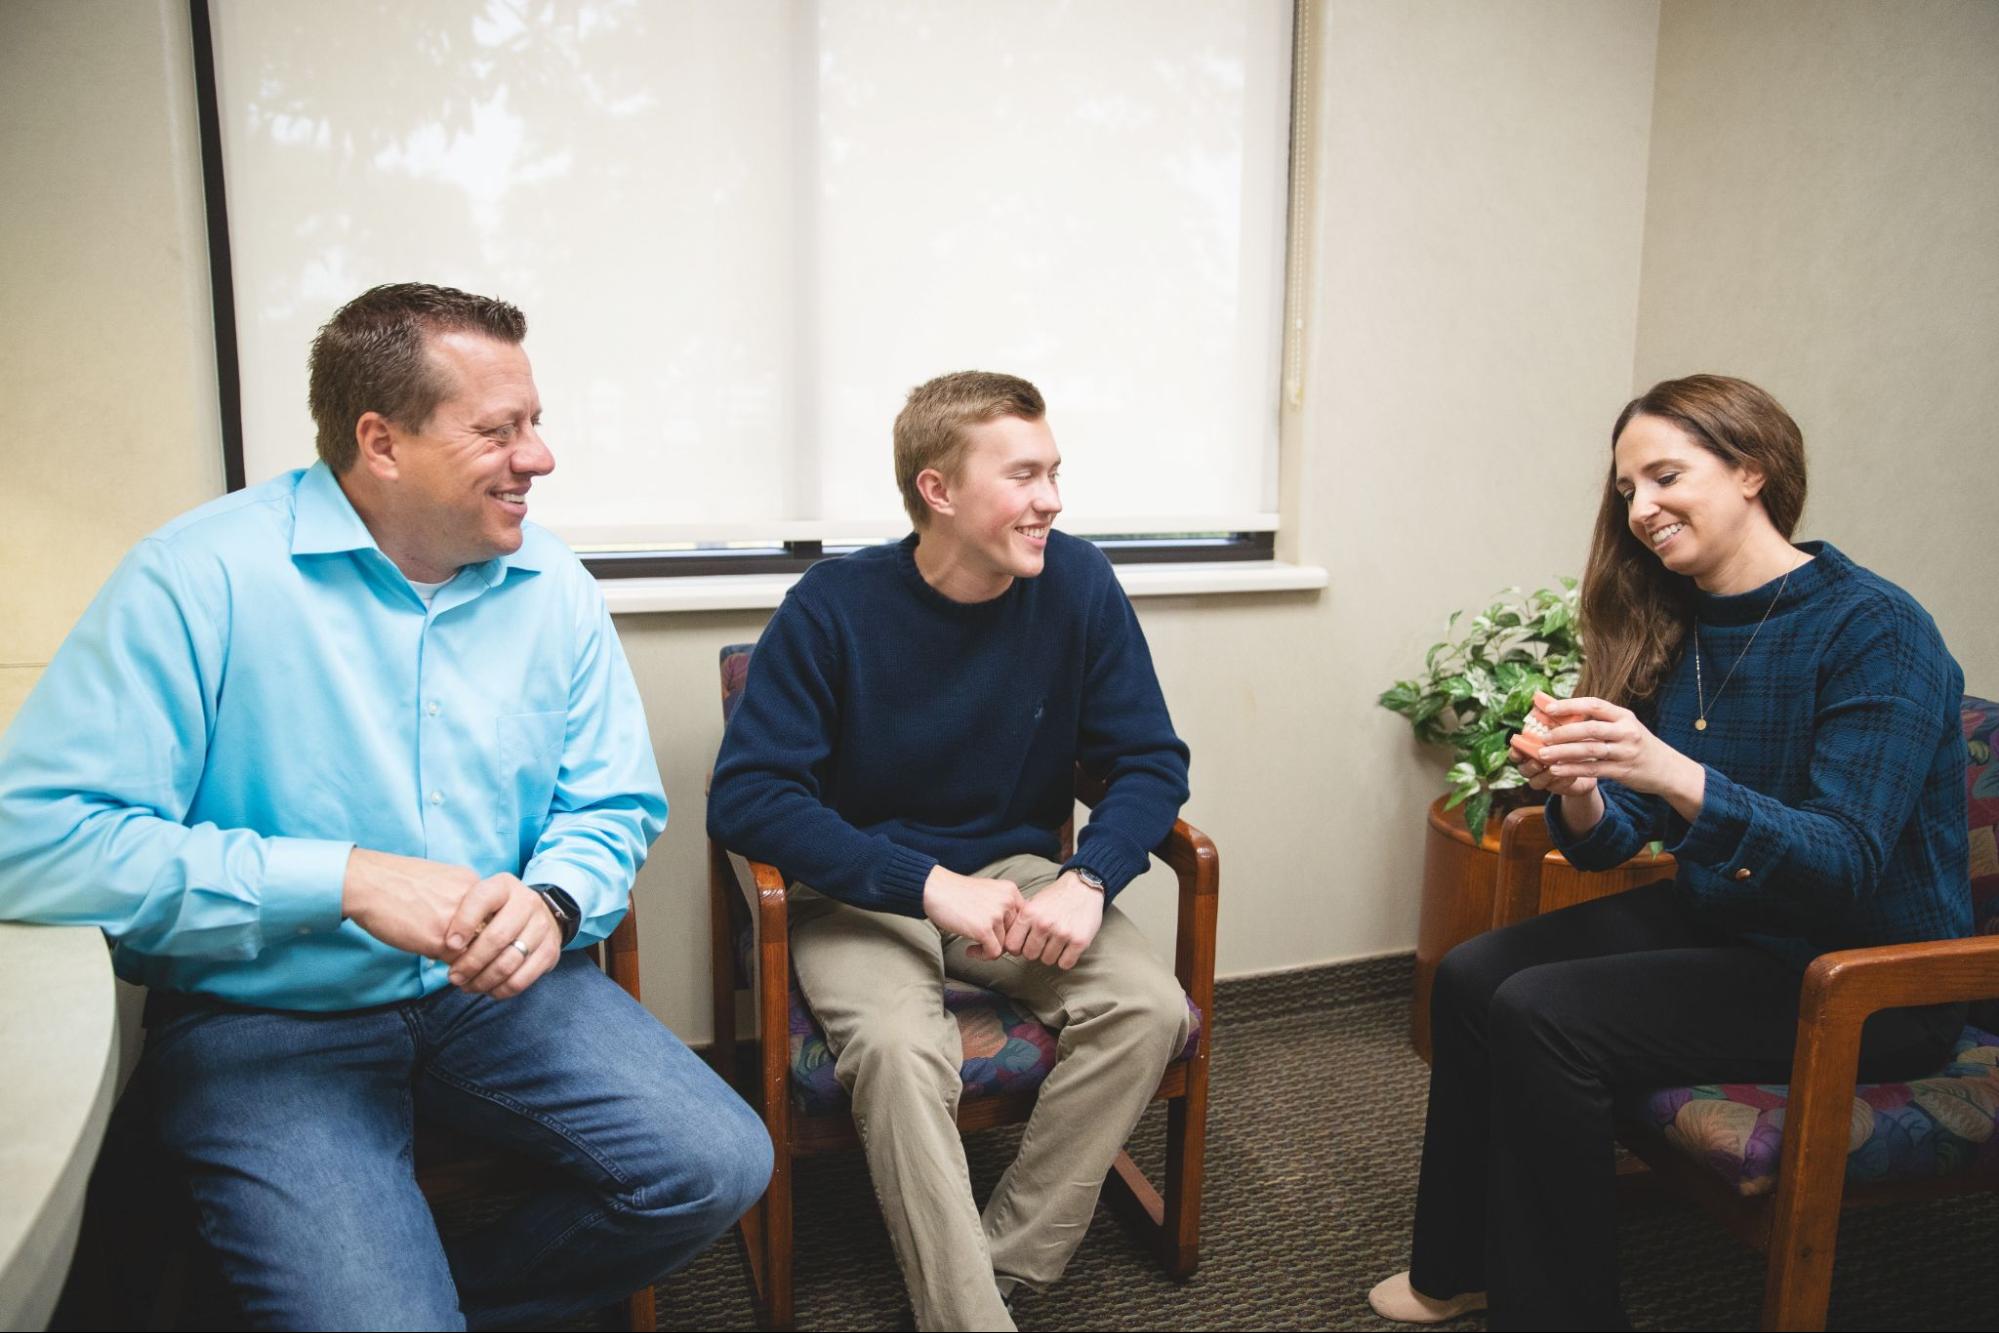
x: 563, y: 907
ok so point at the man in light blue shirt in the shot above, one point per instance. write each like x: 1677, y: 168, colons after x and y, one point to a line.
x: 347, y: 766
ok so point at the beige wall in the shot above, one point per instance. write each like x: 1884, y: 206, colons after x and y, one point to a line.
x: 1476, y: 314
x: 1823, y: 205
x: 107, y: 361
x: 107, y: 353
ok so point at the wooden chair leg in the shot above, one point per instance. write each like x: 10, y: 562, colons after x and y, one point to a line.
x: 640, y: 1316
x: 1797, y: 1279
x: 1132, y: 1197
x: 1169, y: 1224
x: 722, y: 964
x: 1797, y: 1286
x: 779, y: 1311
x: 1811, y: 1173
x: 1186, y: 1160
x: 750, y: 1231
x: 774, y: 1101
x: 767, y: 1250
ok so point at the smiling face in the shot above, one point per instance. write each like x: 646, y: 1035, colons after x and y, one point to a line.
x: 456, y: 487
x: 989, y: 521
x: 1693, y: 510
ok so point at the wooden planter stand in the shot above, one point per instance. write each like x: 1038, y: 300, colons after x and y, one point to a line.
x: 1459, y: 877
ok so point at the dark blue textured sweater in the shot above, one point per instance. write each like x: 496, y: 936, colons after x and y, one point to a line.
x: 1835, y: 769
x: 885, y: 729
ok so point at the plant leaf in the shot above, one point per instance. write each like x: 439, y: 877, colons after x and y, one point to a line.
x: 1489, y: 753
x: 1476, y: 810
x: 1400, y: 698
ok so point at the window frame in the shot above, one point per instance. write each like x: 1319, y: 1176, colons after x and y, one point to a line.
x: 778, y: 557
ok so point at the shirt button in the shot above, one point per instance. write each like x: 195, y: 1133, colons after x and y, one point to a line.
x: 1742, y: 873
x: 431, y: 708
x: 305, y: 930
x: 437, y: 798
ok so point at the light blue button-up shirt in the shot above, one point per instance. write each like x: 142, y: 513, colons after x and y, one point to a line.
x: 257, y: 690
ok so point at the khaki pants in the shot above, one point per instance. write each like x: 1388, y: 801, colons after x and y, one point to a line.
x: 875, y: 982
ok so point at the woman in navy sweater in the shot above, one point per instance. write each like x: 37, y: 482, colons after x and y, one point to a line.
x: 1787, y: 723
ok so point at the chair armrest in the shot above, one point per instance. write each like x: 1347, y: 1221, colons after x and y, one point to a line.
x: 1849, y: 985
x: 621, y: 951
x: 771, y: 948
x: 1524, y: 843
x: 1840, y: 990
x: 1192, y: 856
x: 764, y: 891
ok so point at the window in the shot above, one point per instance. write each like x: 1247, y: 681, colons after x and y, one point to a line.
x: 742, y: 231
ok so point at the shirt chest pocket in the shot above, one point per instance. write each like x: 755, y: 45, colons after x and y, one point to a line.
x: 528, y: 759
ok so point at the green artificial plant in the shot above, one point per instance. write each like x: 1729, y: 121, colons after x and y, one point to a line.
x: 1476, y: 690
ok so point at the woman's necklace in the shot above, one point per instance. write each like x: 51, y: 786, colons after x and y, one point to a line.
x: 1700, y: 691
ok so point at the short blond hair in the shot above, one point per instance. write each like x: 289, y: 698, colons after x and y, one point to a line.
x: 930, y: 429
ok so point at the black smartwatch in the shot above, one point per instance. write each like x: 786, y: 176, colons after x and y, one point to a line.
x: 564, y: 908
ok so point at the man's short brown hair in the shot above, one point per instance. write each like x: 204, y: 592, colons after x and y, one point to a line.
x: 930, y: 429
x: 374, y: 356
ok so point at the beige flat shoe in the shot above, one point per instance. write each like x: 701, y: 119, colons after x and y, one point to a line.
x: 1393, y: 1298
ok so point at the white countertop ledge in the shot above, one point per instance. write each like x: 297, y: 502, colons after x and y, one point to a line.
x: 59, y: 1051
x: 762, y: 592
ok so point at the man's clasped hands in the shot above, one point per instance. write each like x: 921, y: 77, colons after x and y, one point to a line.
x: 1055, y: 926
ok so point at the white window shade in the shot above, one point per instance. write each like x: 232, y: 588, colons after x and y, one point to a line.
x: 742, y: 232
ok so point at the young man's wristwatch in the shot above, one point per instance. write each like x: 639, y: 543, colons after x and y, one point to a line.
x: 562, y: 907
x: 1089, y: 877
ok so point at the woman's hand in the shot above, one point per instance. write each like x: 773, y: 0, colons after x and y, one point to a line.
x: 1582, y: 804
x: 1593, y: 738
x: 1540, y: 778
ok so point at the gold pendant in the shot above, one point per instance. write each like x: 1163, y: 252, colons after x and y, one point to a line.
x: 1700, y: 724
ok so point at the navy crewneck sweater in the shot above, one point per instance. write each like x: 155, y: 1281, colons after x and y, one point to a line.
x: 1834, y: 815
x: 885, y: 729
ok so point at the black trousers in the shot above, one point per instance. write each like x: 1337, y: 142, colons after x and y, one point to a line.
x: 1534, y: 1030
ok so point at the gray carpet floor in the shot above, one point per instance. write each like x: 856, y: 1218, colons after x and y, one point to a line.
x: 1314, y: 1129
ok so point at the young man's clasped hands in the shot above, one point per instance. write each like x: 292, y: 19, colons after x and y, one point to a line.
x: 1054, y: 927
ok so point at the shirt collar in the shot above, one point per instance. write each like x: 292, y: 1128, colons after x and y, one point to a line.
x: 325, y: 522
x: 323, y: 519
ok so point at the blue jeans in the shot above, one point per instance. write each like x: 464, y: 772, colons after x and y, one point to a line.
x: 293, y: 1131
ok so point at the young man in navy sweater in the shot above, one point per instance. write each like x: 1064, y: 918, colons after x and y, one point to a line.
x: 905, y: 748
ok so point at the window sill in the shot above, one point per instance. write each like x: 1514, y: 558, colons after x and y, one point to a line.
x: 762, y: 592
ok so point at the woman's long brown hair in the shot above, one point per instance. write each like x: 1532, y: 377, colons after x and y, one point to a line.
x: 1635, y: 611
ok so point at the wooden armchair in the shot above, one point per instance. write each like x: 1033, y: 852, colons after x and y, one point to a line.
x: 755, y: 907
x: 1828, y: 1136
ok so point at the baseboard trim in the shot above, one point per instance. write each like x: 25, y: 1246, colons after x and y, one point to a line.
x: 1322, y: 986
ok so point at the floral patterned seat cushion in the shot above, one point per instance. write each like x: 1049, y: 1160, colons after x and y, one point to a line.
x: 1937, y: 1126
x: 1981, y: 738
x: 1005, y: 1049
x: 1924, y: 1129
